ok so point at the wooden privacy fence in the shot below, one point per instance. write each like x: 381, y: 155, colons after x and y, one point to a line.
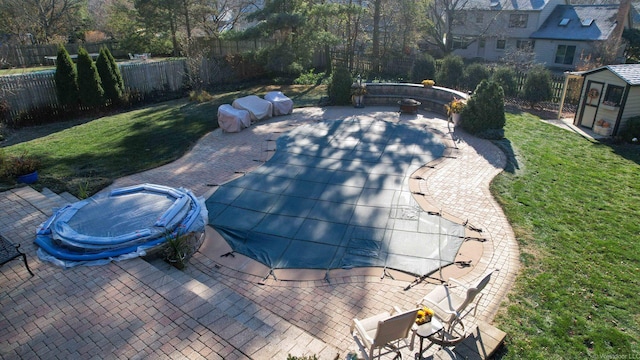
x: 37, y: 89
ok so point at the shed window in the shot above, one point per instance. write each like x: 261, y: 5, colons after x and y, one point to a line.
x: 501, y: 44
x: 565, y: 54
x: 613, y: 96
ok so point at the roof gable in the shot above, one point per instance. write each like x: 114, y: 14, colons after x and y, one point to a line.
x: 585, y: 23
x: 630, y: 73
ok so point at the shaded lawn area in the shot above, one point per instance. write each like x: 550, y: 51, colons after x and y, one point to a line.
x: 574, y: 205
x: 89, y: 156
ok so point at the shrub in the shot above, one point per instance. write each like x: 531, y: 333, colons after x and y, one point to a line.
x: 537, y: 86
x: 19, y: 165
x: 450, y: 70
x: 200, y: 96
x: 66, y: 79
x: 110, y: 76
x: 631, y: 130
x: 309, y: 78
x: 340, y: 87
x: 106, y: 70
x: 506, y: 77
x: 423, y: 68
x: 474, y: 74
x: 485, y: 109
x: 89, y: 84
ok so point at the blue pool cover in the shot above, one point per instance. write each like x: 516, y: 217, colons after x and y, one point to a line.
x: 118, y: 225
x: 335, y: 195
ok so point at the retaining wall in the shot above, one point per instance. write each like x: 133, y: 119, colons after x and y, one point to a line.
x: 432, y: 98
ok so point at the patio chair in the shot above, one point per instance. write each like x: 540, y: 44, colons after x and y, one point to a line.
x: 10, y: 251
x: 386, y: 330
x: 451, y: 308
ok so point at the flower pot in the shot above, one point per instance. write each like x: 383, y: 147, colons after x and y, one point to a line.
x: 358, y: 101
x: 28, y: 178
x: 455, y: 117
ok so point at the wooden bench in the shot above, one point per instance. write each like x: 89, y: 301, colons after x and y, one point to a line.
x: 9, y: 251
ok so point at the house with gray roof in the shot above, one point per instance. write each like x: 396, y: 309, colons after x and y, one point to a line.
x: 610, y: 96
x: 557, y: 33
x: 574, y: 31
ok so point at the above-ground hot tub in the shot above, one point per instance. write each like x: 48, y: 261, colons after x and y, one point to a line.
x: 120, y: 224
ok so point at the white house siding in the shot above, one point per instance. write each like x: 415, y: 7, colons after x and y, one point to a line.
x: 546, y: 52
x: 498, y: 29
x: 632, y: 106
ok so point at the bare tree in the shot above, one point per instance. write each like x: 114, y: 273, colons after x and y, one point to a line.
x: 213, y: 17
x: 43, y: 19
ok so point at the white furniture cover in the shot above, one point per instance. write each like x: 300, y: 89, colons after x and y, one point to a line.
x: 258, y: 108
x: 231, y: 119
x: 282, y: 105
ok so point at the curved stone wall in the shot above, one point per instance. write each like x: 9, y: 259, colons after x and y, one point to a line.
x: 432, y: 98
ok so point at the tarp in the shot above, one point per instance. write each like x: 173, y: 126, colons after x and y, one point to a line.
x: 119, y: 224
x: 231, y: 119
x: 282, y: 105
x: 258, y: 108
x: 335, y: 195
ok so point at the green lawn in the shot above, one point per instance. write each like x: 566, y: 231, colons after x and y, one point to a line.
x: 574, y: 205
x: 91, y: 155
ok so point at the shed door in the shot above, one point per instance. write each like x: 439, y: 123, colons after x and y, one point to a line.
x: 591, y: 102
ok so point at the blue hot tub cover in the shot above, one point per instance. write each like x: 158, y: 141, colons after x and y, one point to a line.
x: 118, y: 225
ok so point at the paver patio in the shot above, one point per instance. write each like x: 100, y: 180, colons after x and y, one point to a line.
x: 140, y: 309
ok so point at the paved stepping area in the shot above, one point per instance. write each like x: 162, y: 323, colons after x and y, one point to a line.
x: 214, y: 310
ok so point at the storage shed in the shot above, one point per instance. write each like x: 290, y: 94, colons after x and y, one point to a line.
x: 610, y: 95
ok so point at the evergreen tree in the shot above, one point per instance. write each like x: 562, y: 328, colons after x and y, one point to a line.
x: 116, y: 70
x: 537, y: 86
x: 450, y: 72
x: 89, y: 84
x: 340, y: 86
x: 66, y: 79
x: 302, y: 29
x: 106, y: 70
x: 424, y: 68
x: 485, y: 109
x: 506, y: 77
x: 474, y: 74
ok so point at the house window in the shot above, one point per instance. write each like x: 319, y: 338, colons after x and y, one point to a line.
x: 479, y: 18
x: 459, y: 18
x: 501, y: 44
x: 613, y: 96
x: 518, y: 20
x: 525, y: 44
x: 564, y: 54
x: 461, y: 42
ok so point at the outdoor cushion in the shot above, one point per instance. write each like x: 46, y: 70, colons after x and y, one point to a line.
x: 258, y: 108
x: 282, y: 105
x: 231, y: 119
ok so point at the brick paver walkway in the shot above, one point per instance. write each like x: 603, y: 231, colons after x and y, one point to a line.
x: 131, y: 309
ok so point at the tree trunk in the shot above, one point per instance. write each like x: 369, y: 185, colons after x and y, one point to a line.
x: 376, y: 36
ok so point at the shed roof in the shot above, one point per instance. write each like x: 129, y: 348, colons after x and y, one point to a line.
x: 630, y: 73
x: 585, y: 22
